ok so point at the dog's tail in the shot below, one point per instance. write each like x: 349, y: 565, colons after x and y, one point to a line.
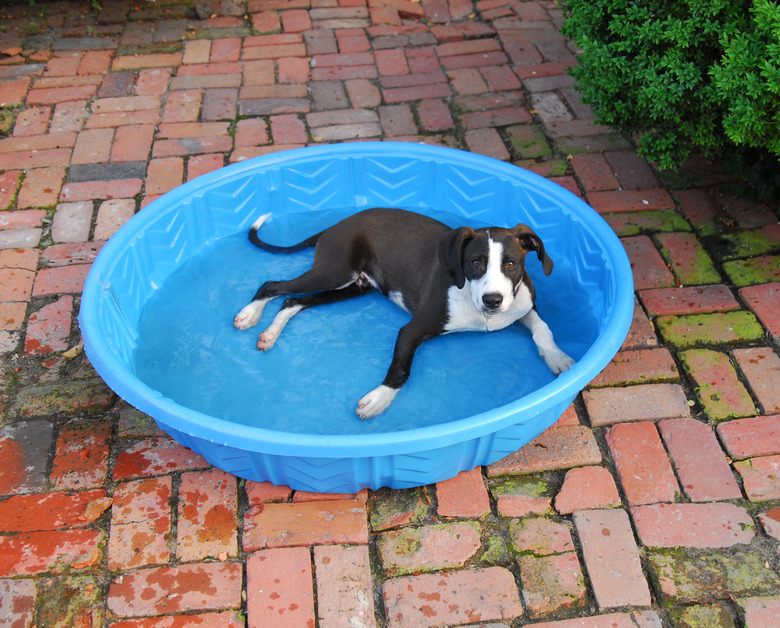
x: 272, y: 248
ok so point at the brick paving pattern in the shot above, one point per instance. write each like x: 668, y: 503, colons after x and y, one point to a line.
x: 654, y: 501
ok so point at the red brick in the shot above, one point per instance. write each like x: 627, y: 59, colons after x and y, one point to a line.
x: 688, y: 300
x: 227, y: 49
x: 719, y: 389
x: 463, y: 496
x: 152, y: 82
x: 55, y: 95
x: 630, y: 200
x: 132, y: 142
x: 54, y: 551
x: 467, y: 81
x: 641, y: 463
x: 555, y: 448
x: 224, y: 619
x: 451, y: 597
x: 262, y: 492
x: 286, y: 129
x: 198, y: 51
x: 296, y: 21
x: 305, y: 523
x: 541, y: 536
x: 164, y: 175
x: 165, y: 590
x: 41, y: 187
x: 32, y: 121
x: 635, y: 403
x: 693, y: 525
x: 62, y: 66
x: 266, y: 22
x: 486, y: 142
x: 65, y: 279
x: 156, y: 456
x: 192, y: 146
x: 71, y: 253
x: 344, y: 586
x: 9, y: 184
x: 183, y: 106
x: 552, y: 584
x: 594, y: 172
x: 37, y: 142
x: 704, y: 472
x: 760, y: 612
x: 202, y: 164
x: 612, y: 558
x: 435, y: 115
x: 17, y: 284
x: 13, y: 91
x: 93, y: 146
x: 587, y: 488
x: 638, y: 367
x: 500, y: 78
x: 428, y: 548
x: 22, y: 219
x: 17, y: 599
x: 293, y: 70
x: 688, y: 259
x: 95, y: 62
x: 12, y: 315
x: 760, y: 477
x: 764, y: 300
x: 49, y: 328
x: 81, y: 456
x: 649, y: 268
x: 35, y: 159
x: 761, y: 366
x: 261, y: 73
x: 279, y: 588
x: 755, y: 436
x: 207, y: 524
x: 397, y: 120
x: 140, y: 524
x: 254, y: 53
x: 112, y: 214
x: 50, y: 511
x: 135, y: 62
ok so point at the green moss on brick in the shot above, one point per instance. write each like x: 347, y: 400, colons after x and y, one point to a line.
x: 756, y: 270
x: 717, y: 328
x: 627, y: 224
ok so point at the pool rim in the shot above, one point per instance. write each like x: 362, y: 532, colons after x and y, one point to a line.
x: 223, y: 432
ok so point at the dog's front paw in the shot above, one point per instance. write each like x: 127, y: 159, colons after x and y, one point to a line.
x: 249, y: 315
x: 557, y: 361
x: 376, y: 401
x: 266, y: 340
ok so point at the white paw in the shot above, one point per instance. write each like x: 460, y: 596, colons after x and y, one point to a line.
x: 376, y: 401
x: 266, y: 340
x: 249, y: 316
x: 557, y: 361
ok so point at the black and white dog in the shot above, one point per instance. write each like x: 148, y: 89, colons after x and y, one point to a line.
x: 449, y: 280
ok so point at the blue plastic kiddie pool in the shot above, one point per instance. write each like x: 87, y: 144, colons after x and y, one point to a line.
x: 158, y: 305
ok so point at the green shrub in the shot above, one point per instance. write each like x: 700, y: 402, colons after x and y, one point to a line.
x: 683, y: 76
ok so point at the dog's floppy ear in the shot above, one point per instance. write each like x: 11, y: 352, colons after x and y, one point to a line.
x: 451, y: 247
x: 531, y: 242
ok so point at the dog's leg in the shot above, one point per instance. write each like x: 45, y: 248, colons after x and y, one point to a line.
x: 409, y: 338
x: 556, y: 360
x: 293, y: 305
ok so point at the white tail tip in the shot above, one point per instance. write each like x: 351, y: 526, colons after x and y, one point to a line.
x: 259, y: 222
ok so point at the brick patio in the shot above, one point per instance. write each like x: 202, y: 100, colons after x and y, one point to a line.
x: 655, y: 499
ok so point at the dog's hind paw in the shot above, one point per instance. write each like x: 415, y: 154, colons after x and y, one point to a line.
x: 266, y: 340
x: 376, y: 401
x: 249, y: 315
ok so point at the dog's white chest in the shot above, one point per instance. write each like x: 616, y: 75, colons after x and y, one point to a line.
x: 463, y: 316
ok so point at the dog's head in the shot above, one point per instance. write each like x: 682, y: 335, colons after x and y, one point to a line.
x: 492, y: 261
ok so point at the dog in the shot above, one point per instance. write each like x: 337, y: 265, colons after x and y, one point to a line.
x: 448, y: 279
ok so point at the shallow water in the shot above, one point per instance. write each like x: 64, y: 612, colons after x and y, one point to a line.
x: 329, y: 356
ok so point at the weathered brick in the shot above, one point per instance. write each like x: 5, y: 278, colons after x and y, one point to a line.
x: 761, y: 366
x: 463, y: 496
x: 555, y: 448
x: 48, y: 329
x: 111, y: 215
x: 65, y: 279
x: 704, y: 472
x: 81, y: 455
x: 764, y: 300
x: 611, y: 558
x: 635, y: 403
x: 693, y: 525
x: 389, y: 509
x: 207, y: 523
x: 52, y: 510
x: 650, y: 271
x: 760, y: 477
x: 641, y: 462
x: 72, y: 222
x: 164, y: 175
x: 305, y: 523
x: 344, y: 586
x: 760, y: 612
x: 709, y: 329
x: 25, y: 452
x: 165, y: 590
x: 41, y: 187
x: 540, y: 536
x: 628, y: 200
x: 522, y: 496
x: 756, y: 270
x: 132, y: 142
x: 17, y: 600
x: 55, y: 551
x: 717, y: 386
x: 687, y: 258
x: 688, y: 300
x: 756, y: 436
x: 155, y: 456
x: 69, y: 396
x: 552, y: 584
x: 279, y: 587
x: 638, y: 367
x: 587, y: 488
x: 424, y: 601
x: 428, y: 548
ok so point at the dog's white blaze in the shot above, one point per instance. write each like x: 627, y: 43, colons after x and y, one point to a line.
x: 376, y: 401
x: 494, y: 280
x: 397, y: 298
x: 464, y: 315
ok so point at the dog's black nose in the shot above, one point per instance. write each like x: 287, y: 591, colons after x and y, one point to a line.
x: 492, y: 300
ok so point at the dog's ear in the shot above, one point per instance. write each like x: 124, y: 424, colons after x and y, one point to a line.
x: 450, y: 251
x: 531, y: 242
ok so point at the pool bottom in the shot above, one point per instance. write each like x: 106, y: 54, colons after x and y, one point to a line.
x: 330, y: 356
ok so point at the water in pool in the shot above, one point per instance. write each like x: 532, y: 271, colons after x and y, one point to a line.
x: 329, y: 356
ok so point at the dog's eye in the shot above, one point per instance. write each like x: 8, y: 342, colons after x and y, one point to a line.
x: 476, y: 262
x: 509, y: 264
